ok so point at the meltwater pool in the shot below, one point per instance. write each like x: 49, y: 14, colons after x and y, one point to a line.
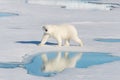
x: 50, y: 63
x: 108, y: 40
x: 5, y: 14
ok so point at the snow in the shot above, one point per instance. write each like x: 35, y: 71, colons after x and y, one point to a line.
x: 13, y: 1
x: 91, y: 24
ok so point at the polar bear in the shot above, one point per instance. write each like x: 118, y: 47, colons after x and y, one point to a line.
x: 59, y: 63
x: 61, y: 32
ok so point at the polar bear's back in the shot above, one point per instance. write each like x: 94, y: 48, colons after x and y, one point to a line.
x: 68, y: 30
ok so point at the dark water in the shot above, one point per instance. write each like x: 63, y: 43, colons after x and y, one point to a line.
x: 2, y: 14
x: 81, y: 0
x: 51, y: 63
x: 110, y: 40
x: 88, y: 0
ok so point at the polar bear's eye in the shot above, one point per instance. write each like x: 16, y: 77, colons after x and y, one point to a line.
x: 46, y: 30
x: 43, y: 68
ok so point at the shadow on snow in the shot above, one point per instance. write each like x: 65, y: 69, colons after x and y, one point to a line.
x: 35, y: 42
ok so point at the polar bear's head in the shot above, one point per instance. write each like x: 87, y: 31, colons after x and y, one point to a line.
x: 48, y: 67
x: 48, y: 29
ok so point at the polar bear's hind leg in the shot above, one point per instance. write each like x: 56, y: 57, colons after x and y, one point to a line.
x: 67, y: 42
x: 76, y: 39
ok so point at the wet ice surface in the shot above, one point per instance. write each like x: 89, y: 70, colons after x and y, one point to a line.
x: 109, y: 40
x: 50, y: 63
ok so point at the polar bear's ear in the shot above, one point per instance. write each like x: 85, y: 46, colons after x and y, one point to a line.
x: 44, y: 28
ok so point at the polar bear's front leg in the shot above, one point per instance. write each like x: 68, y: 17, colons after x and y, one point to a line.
x: 59, y: 56
x: 66, y: 55
x: 67, y: 43
x: 59, y: 40
x: 44, y: 39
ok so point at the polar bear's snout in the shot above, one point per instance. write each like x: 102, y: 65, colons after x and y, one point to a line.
x: 43, y: 68
x: 44, y: 28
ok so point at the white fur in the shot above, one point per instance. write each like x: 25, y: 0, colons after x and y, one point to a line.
x: 60, y: 33
x: 59, y: 63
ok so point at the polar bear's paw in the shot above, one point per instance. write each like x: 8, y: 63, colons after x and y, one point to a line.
x: 41, y: 45
x: 81, y: 45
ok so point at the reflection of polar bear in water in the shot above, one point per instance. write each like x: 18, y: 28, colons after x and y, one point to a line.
x: 61, y: 32
x: 59, y: 63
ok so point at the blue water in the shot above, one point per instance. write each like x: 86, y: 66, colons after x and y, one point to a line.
x: 80, y: 60
x: 7, y: 14
x: 110, y: 40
